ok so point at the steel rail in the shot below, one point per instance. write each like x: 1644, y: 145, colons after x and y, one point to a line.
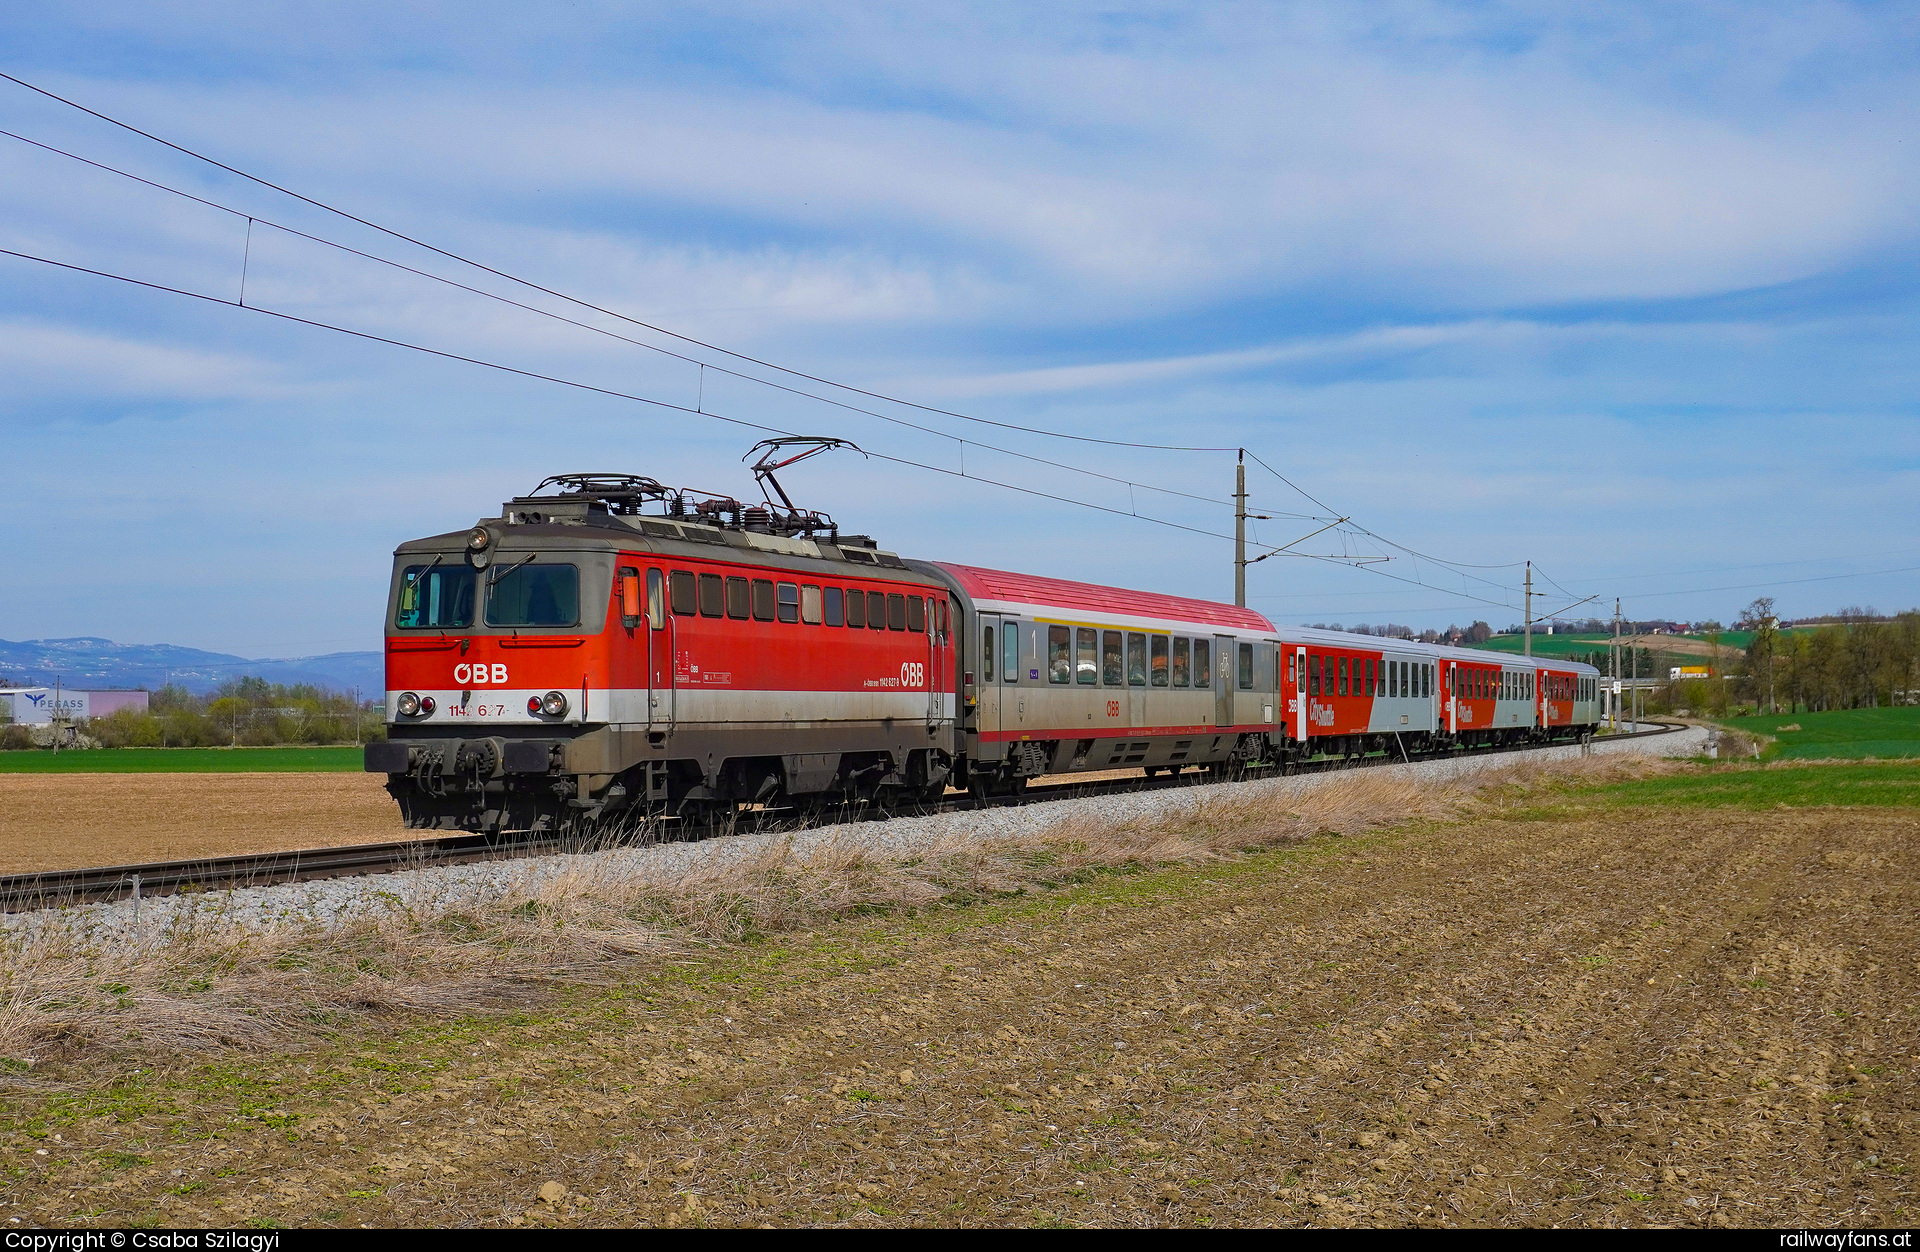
x: 29, y: 892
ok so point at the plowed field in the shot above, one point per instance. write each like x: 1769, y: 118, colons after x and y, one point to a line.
x: 73, y: 821
x: 1595, y: 1015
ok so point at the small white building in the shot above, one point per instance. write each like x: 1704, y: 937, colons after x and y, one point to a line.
x: 40, y: 706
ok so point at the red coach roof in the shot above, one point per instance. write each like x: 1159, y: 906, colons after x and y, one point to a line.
x: 1092, y: 600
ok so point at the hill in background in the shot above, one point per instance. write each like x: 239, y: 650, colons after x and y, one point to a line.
x: 93, y: 664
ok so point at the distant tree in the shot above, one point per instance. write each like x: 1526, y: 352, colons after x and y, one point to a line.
x: 1479, y: 632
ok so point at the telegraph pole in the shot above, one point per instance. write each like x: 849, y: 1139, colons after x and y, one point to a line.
x: 1529, y: 651
x: 1240, y: 530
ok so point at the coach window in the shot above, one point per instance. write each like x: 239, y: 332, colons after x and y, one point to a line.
x: 1112, y: 669
x: 712, y: 596
x: 1359, y: 680
x: 1136, y: 659
x: 739, y: 601
x: 763, y: 599
x: 656, y: 599
x: 1202, y: 663
x: 1246, y: 667
x: 789, y: 602
x: 896, y: 611
x: 1343, y: 675
x: 1158, y: 660
x: 681, y: 584
x: 1313, y: 669
x: 917, y: 615
x: 1181, y: 652
x: 1086, y: 662
x: 810, y: 604
x: 1059, y: 658
x: 856, y: 607
x: 1010, y: 652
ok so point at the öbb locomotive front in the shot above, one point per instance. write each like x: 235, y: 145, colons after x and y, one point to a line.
x: 607, y: 646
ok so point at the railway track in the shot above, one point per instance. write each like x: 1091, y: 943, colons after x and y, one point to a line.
x: 60, y: 888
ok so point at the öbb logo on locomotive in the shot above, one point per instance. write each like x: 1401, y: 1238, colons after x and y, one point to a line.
x: 602, y: 603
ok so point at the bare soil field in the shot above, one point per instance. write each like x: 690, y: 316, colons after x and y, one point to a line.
x: 74, y: 821
x: 1550, y: 1015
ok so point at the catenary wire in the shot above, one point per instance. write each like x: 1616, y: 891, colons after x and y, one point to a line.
x: 600, y: 330
x: 559, y: 295
x: 610, y: 392
x: 237, y: 172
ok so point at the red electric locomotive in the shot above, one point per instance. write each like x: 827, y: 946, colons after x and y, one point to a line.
x: 580, y: 657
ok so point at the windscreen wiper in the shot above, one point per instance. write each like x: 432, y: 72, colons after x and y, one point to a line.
x: 494, y: 576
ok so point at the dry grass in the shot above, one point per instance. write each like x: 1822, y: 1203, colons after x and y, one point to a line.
x: 206, y: 984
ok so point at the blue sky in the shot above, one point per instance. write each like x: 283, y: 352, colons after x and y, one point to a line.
x: 1629, y: 291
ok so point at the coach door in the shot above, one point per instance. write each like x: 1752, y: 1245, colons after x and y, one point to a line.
x: 992, y: 681
x: 1300, y: 694
x: 1225, y: 660
x: 661, y: 631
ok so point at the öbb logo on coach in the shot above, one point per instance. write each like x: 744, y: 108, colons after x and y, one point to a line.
x: 478, y: 673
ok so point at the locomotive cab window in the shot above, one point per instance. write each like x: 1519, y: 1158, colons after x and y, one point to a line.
x: 739, y: 601
x: 712, y: 596
x: 788, y: 596
x: 534, y: 595
x: 435, y: 595
x: 1086, y: 660
x: 656, y: 599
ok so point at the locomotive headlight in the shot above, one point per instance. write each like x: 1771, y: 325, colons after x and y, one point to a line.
x: 409, y: 704
x: 554, y: 704
x: 479, y: 547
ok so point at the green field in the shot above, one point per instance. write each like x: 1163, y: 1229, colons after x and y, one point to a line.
x: 1546, y: 645
x: 182, y: 761
x: 1848, y: 733
x: 1750, y: 786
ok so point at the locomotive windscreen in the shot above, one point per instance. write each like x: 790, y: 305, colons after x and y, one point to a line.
x: 435, y: 595
x: 535, y: 595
